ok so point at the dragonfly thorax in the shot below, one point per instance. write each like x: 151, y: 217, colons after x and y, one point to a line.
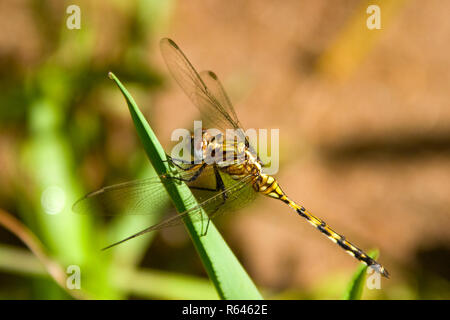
x: 222, y: 150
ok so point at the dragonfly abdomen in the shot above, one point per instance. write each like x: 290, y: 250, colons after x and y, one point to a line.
x: 339, y: 239
x: 268, y: 186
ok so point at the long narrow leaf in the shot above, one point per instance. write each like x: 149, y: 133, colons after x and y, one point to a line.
x: 223, y: 268
x: 356, y: 286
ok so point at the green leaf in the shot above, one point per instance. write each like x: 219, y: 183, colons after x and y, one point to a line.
x: 227, y: 274
x: 356, y: 286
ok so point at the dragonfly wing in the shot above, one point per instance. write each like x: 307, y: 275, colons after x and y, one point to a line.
x: 232, y: 197
x: 135, y: 197
x: 217, y: 91
x: 142, y: 197
x: 235, y: 196
x: 211, y: 106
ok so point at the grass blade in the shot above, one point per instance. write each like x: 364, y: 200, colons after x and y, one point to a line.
x: 223, y: 268
x: 356, y: 286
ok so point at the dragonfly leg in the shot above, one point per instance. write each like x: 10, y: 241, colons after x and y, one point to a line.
x: 206, y: 231
x: 194, y: 176
x: 220, y: 186
x: 175, y: 160
x: 219, y: 183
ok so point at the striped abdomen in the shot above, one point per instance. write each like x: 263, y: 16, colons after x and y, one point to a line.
x: 269, y: 187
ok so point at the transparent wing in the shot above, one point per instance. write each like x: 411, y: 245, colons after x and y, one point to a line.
x: 217, y: 91
x: 134, y: 197
x: 234, y: 196
x: 205, y: 91
x: 215, y: 88
x: 140, y: 196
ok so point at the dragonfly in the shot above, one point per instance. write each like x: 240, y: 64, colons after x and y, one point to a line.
x: 218, y: 186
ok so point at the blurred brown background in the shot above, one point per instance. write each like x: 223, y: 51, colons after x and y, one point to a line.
x: 363, y: 116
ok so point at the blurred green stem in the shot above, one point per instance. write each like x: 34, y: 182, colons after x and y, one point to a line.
x: 144, y: 283
x: 32, y: 242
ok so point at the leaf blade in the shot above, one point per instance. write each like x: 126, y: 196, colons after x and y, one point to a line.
x: 223, y: 268
x: 356, y: 286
